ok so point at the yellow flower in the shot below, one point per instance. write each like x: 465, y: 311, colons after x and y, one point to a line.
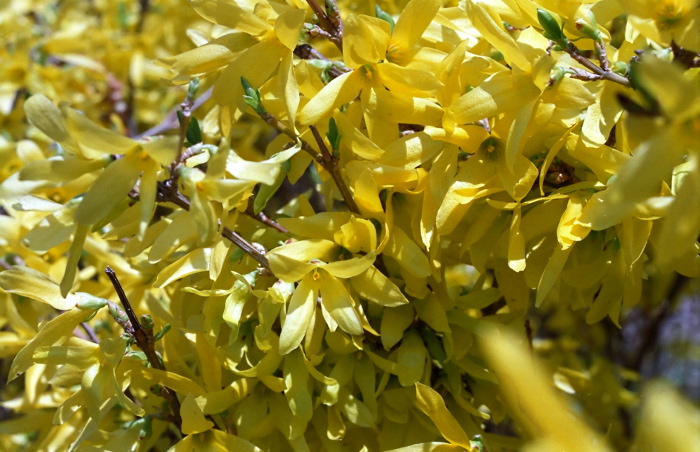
x: 666, y: 20
x: 309, y: 262
x: 389, y: 94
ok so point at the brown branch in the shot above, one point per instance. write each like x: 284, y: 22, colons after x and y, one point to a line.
x: 331, y: 25
x: 330, y: 164
x: 144, y: 340
x: 264, y: 219
x: 325, y: 159
x: 90, y: 333
x: 575, y: 53
x: 307, y: 52
x: 177, y: 198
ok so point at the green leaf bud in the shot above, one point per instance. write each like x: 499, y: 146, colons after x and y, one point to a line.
x: 88, y: 302
x: 252, y: 97
x: 552, y: 29
x: 162, y: 332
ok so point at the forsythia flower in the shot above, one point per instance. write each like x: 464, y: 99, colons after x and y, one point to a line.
x: 303, y: 261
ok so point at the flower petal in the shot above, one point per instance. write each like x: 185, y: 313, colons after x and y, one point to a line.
x: 299, y: 313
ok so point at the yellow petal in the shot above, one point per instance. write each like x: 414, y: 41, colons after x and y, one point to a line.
x: 350, y: 267
x: 409, y: 82
x: 374, y: 286
x: 203, y: 59
x: 411, y: 356
x: 570, y: 230
x: 432, y: 404
x: 296, y: 378
x: 410, y: 151
x: 109, y: 189
x: 679, y: 230
x: 301, y: 309
x: 638, y: 180
x: 516, y: 244
x: 355, y: 140
x: 74, y: 253
x: 291, y: 262
x: 256, y: 64
x: 357, y: 235
x: 501, y: 93
x: 487, y: 20
x: 532, y: 399
x: 193, y: 420
x: 288, y: 25
x: 230, y: 15
x: 339, y: 304
x: 414, y: 19
x: 265, y: 171
x: 392, y: 108
x: 47, y: 117
x: 365, y: 40
x: 53, y: 332
x: 551, y: 273
x: 667, y: 420
x: 193, y: 262
x: 518, y: 182
x: 163, y: 150
x: 339, y: 91
x: 33, y: 284
x: 94, y: 140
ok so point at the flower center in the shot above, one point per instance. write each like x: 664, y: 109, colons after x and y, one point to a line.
x: 668, y: 13
x: 396, y: 52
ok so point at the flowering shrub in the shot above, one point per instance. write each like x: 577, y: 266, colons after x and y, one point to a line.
x: 365, y: 222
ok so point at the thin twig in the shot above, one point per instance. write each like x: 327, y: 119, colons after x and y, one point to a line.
x: 330, y: 164
x: 144, y: 340
x: 90, y: 333
x: 325, y: 159
x: 264, y: 219
x: 307, y: 52
x: 170, y: 122
x: 575, y: 53
x: 248, y: 248
x: 330, y: 25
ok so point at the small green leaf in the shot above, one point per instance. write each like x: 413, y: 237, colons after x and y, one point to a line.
x: 159, y: 335
x: 333, y: 135
x: 192, y: 88
x: 252, y: 96
x: 383, y: 15
x: 194, y: 133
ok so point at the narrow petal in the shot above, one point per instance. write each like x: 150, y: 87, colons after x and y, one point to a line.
x: 365, y: 40
x: 376, y: 287
x: 339, y: 91
x: 109, y: 189
x: 339, y: 304
x: 414, y: 19
x: 231, y: 15
x: 301, y: 308
x: 47, y: 117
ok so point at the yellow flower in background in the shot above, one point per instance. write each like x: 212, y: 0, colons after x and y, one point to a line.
x: 125, y: 161
x: 666, y: 20
x: 263, y: 43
